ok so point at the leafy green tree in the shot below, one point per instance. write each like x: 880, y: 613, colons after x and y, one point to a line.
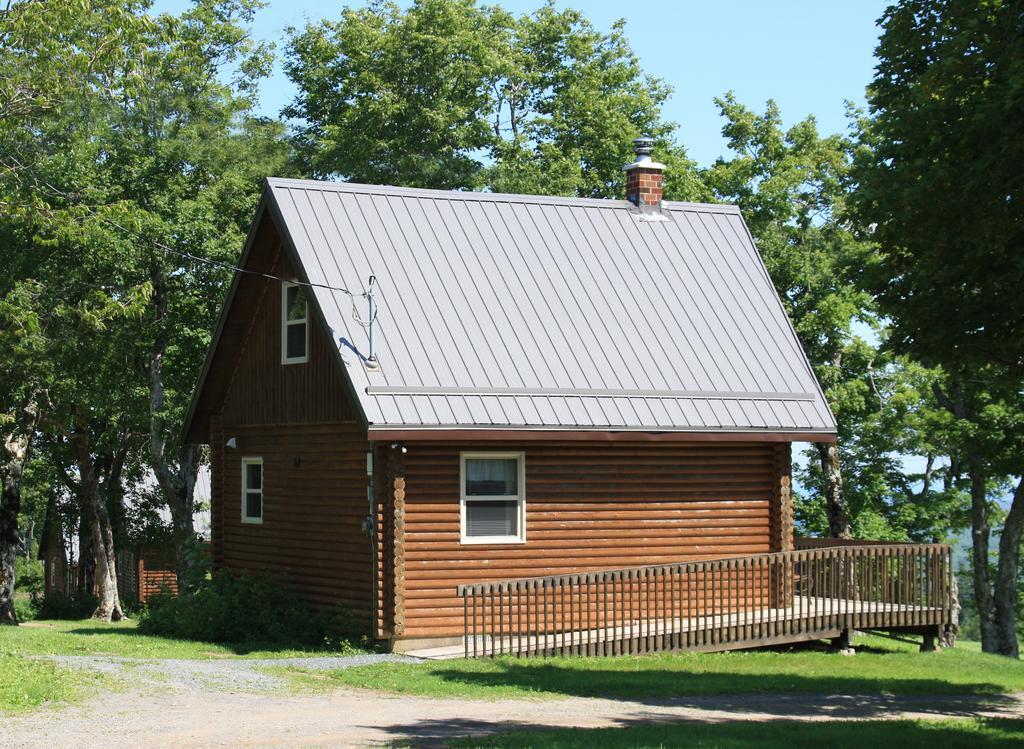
x: 450, y: 94
x: 791, y: 185
x: 53, y: 66
x: 130, y: 208
x: 939, y: 182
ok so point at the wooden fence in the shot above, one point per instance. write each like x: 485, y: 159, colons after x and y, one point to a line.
x: 718, y: 604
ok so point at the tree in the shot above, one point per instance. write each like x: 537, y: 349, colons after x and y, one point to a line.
x: 51, y: 64
x: 19, y: 340
x: 791, y: 185
x: 453, y: 95
x: 939, y: 182
x: 131, y: 208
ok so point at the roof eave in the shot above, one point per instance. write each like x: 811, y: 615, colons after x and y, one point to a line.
x: 618, y: 434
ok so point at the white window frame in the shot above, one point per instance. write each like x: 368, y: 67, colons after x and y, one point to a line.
x: 253, y: 519
x: 286, y: 323
x: 519, y: 538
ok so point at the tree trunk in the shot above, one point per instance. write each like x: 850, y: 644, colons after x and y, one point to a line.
x: 980, y: 532
x: 180, y: 501
x: 86, y: 582
x: 835, y: 500
x: 17, y: 445
x: 177, y: 480
x: 101, y: 530
x: 28, y: 539
x: 1005, y: 604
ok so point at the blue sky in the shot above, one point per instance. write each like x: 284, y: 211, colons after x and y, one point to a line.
x: 810, y: 56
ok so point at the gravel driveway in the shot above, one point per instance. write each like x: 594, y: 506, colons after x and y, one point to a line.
x: 229, y: 703
x: 228, y: 675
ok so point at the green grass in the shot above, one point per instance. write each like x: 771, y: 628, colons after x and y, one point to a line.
x: 906, y: 734
x: 122, y: 639
x: 26, y: 684
x: 882, y: 665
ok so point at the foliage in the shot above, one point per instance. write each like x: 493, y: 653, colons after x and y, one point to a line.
x: 939, y: 179
x: 975, y: 733
x: 793, y: 185
x: 248, y: 608
x: 31, y: 575
x: 452, y: 94
x: 939, y: 186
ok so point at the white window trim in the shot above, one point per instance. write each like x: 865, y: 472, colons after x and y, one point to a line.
x: 253, y: 519
x: 520, y: 538
x: 285, y: 323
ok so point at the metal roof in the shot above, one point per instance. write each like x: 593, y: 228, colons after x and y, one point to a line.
x: 527, y: 312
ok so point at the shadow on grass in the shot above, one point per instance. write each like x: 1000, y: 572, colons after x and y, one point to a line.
x: 235, y: 648
x: 638, y: 733
x: 657, y: 683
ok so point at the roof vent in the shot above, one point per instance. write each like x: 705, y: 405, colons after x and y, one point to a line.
x: 644, y: 176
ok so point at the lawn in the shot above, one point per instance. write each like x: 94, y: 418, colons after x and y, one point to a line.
x: 907, y: 734
x: 881, y: 666
x: 87, y: 637
x: 26, y: 684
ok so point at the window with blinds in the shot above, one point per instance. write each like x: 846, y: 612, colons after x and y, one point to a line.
x: 493, y: 498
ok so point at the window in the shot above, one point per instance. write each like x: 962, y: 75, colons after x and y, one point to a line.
x: 493, y: 498
x: 252, y: 490
x: 294, y: 327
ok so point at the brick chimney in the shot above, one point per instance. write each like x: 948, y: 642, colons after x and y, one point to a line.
x: 644, y: 176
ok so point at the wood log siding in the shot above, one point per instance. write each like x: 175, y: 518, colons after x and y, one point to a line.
x: 314, y: 504
x: 299, y: 419
x: 588, y: 507
x: 264, y: 391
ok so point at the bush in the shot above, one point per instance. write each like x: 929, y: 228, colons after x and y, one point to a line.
x: 251, y: 609
x: 24, y: 609
x: 29, y: 575
x: 56, y: 605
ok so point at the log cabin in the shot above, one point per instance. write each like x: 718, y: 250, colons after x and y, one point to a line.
x: 481, y: 420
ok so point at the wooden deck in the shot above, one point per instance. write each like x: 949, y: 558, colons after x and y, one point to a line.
x: 710, y: 605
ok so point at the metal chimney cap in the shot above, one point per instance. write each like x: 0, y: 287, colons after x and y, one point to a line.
x: 643, y: 146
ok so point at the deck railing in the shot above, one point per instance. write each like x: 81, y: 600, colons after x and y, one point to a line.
x: 717, y: 604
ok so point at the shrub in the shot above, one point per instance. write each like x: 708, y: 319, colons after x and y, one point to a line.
x: 56, y: 605
x: 29, y: 575
x: 250, y: 609
x: 24, y: 609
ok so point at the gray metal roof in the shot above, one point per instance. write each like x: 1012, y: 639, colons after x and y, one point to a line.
x: 527, y: 312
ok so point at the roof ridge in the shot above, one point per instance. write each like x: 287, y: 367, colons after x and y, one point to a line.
x: 482, y: 196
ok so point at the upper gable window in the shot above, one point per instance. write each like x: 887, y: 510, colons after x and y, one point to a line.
x: 294, y: 324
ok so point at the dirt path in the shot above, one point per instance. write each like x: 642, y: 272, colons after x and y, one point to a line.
x: 352, y: 718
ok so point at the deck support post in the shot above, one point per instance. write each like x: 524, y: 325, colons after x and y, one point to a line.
x: 930, y: 640
x: 842, y: 643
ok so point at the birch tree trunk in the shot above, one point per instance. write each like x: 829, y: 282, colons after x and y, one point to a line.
x: 1005, y: 593
x: 109, y: 606
x: 17, y: 444
x: 835, y: 500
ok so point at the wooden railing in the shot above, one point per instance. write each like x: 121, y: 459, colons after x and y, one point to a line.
x: 718, y: 604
